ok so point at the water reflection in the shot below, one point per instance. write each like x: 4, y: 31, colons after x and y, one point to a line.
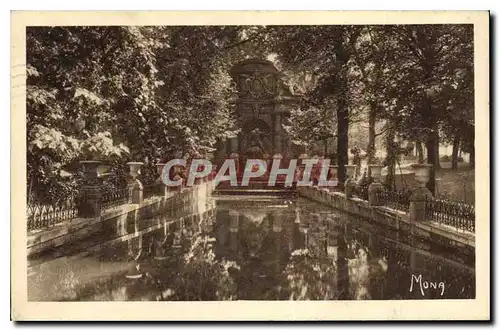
x: 264, y: 250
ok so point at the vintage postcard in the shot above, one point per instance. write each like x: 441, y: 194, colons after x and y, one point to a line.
x: 250, y: 166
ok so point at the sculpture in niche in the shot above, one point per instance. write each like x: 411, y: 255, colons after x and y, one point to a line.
x: 256, y: 143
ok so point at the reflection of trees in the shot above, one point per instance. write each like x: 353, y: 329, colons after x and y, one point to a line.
x: 317, y: 267
x: 310, y: 277
x: 297, y: 255
x: 260, y: 251
x: 189, y: 272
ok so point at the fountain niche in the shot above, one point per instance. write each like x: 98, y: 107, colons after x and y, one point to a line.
x: 263, y: 105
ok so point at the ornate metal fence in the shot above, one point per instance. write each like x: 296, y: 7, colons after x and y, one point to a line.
x: 455, y: 214
x: 114, y: 197
x: 395, y: 200
x: 43, y: 216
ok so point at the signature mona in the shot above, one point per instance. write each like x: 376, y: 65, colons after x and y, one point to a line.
x: 425, y: 285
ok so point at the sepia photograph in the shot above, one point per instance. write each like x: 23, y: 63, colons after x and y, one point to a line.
x: 343, y: 163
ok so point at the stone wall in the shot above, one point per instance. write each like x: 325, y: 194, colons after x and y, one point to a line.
x: 391, y: 218
x: 190, y: 200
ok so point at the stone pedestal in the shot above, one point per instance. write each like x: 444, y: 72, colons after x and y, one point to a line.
x: 350, y: 184
x: 136, y: 191
x: 162, y: 189
x: 420, y: 194
x: 89, y: 205
x: 376, y: 186
x: 135, y: 185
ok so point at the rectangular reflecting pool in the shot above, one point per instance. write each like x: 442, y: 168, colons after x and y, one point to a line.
x: 250, y: 248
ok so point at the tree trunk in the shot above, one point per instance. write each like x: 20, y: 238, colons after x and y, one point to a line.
x: 342, y: 128
x: 325, y: 145
x: 342, y: 142
x: 420, y: 151
x: 454, y: 153
x: 372, y: 118
x: 342, y: 58
x: 438, y: 164
x: 431, y: 159
x: 390, y: 159
x: 432, y: 144
x: 472, y: 158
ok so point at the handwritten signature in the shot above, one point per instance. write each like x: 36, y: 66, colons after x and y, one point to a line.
x: 426, y: 285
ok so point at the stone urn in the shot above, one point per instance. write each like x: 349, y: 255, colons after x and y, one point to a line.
x: 135, y: 169
x: 422, y: 173
x: 376, y: 172
x: 350, y: 170
x: 350, y: 184
x: 90, y: 170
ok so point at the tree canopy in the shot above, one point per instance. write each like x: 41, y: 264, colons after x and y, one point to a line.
x: 143, y: 93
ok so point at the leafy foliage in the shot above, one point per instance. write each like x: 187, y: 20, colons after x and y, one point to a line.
x: 144, y: 93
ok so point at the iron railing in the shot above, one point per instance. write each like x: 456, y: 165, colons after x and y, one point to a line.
x: 361, y: 192
x: 395, y: 200
x: 149, y: 191
x: 459, y: 198
x: 458, y: 215
x: 43, y: 216
x: 114, y: 197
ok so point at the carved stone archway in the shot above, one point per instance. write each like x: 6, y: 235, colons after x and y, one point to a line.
x: 260, y: 100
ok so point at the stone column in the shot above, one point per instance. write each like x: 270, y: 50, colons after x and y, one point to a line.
x: 350, y: 184
x: 421, y: 193
x: 90, y: 193
x: 135, y: 185
x: 376, y: 186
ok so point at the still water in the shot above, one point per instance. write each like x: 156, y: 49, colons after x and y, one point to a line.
x: 241, y: 248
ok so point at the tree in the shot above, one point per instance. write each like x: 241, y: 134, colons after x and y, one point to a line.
x: 428, y: 55
x: 73, y: 85
x: 108, y: 92
x: 310, y: 125
x: 325, y: 51
x: 373, y: 64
